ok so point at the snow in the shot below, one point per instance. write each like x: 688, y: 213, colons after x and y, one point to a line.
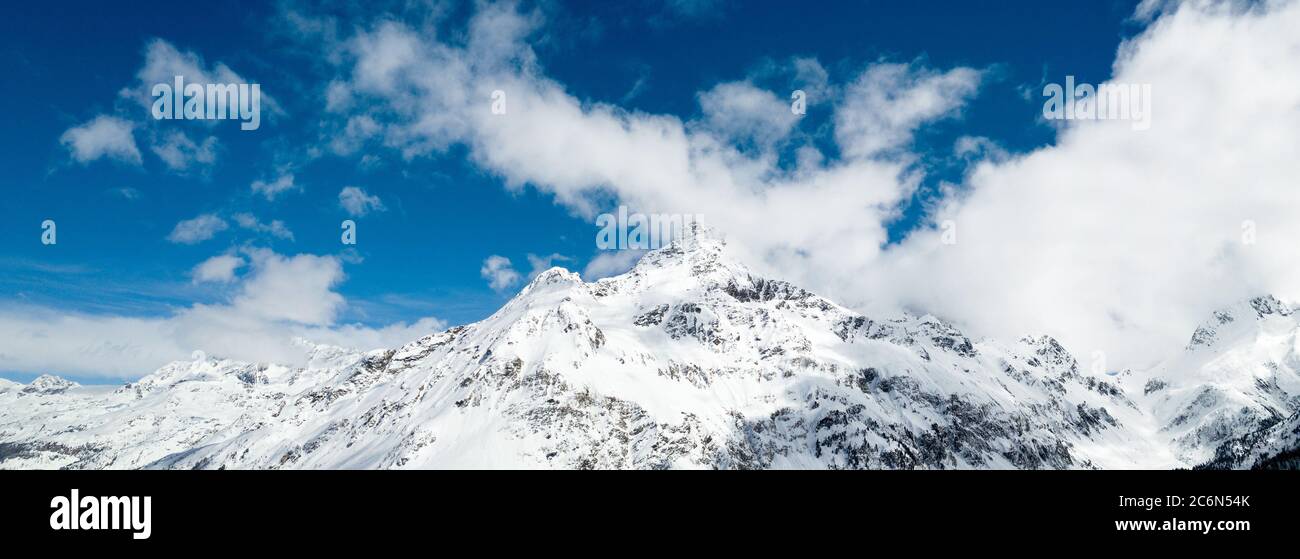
x: 689, y: 360
x: 1239, y: 373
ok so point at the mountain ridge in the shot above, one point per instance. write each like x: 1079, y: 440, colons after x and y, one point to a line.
x: 688, y: 360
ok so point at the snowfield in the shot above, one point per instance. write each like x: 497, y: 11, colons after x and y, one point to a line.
x: 687, y: 361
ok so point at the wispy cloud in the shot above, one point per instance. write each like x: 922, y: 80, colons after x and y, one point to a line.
x: 610, y: 263
x: 103, y: 137
x: 219, y: 269
x: 275, y: 227
x: 540, y: 263
x: 499, y: 272
x: 197, y: 229
x: 356, y: 202
x: 273, y: 189
x: 180, y: 153
x: 1024, y: 261
x: 279, y: 299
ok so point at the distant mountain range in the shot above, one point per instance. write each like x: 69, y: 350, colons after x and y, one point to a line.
x: 689, y: 360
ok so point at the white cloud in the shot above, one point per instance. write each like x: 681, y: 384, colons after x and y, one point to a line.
x: 271, y: 190
x: 611, y: 263
x: 105, y: 136
x: 811, y: 77
x: 798, y: 219
x: 198, y: 229
x: 280, y: 298
x: 745, y: 114
x: 113, y: 136
x: 180, y: 153
x: 973, y: 147
x: 388, y: 52
x: 163, y: 62
x: 358, y: 130
x: 275, y: 228
x: 538, y: 264
x: 1110, y: 239
x: 296, y: 289
x: 888, y: 102
x: 357, y: 203
x: 218, y: 269
x: 499, y: 272
x: 1120, y: 240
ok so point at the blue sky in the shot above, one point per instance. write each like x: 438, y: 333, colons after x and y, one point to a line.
x: 443, y: 211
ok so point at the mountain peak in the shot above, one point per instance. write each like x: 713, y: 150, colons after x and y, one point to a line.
x: 700, y: 247
x: 49, y: 384
x: 554, y: 275
x: 1268, y: 304
x: 553, y: 278
x: 687, y: 360
x: 1244, y: 315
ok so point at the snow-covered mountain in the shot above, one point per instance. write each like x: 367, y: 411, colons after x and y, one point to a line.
x: 689, y: 360
x: 1232, y: 398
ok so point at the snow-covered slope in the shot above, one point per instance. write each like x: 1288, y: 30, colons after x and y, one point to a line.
x: 689, y: 360
x: 1239, y: 373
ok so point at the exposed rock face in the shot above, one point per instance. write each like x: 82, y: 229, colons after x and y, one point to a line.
x: 688, y: 360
